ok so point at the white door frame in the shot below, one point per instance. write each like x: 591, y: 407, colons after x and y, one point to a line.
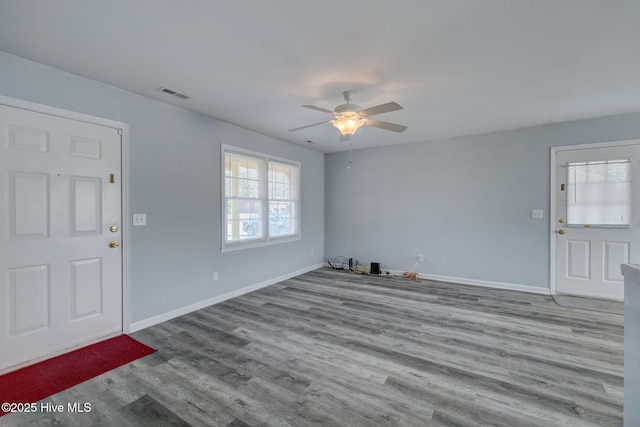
x: 552, y: 209
x: 124, y: 128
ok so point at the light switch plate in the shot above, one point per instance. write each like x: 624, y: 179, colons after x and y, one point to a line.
x: 139, y: 219
x: 537, y: 213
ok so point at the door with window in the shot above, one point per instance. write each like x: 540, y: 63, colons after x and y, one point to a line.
x: 597, y: 219
x: 60, y: 220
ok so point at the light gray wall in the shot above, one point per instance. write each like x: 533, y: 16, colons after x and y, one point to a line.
x: 464, y: 203
x: 175, y: 179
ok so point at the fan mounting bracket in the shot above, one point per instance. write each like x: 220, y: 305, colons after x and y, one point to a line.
x: 347, y: 95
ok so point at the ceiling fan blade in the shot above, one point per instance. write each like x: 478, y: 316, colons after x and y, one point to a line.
x: 308, y: 126
x: 313, y: 107
x: 386, y: 125
x: 379, y: 109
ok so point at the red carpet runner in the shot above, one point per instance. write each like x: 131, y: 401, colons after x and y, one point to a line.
x: 35, y: 382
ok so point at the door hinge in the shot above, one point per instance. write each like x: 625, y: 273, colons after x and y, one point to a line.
x: 561, y: 187
x: 112, y: 178
x: 119, y: 131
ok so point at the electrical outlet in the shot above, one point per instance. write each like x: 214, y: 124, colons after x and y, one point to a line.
x: 420, y: 257
x: 215, y: 276
x: 139, y: 219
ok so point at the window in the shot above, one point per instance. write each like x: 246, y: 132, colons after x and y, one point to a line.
x: 598, y: 193
x: 261, y: 197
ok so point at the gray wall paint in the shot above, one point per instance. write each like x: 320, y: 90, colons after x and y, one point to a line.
x: 175, y: 179
x: 464, y: 203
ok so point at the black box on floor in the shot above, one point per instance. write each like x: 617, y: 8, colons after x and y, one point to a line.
x: 375, y: 268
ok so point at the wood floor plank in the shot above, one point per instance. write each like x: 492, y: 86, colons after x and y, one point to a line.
x: 330, y: 348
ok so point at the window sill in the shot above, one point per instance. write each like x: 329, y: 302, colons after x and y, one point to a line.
x: 230, y: 247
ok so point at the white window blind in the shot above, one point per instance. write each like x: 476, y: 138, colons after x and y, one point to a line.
x: 260, y: 199
x: 283, y: 198
x: 244, y: 196
x: 598, y: 193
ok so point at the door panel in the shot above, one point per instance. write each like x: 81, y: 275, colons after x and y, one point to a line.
x: 28, y: 205
x: 85, y: 199
x: 579, y: 259
x: 28, y: 299
x: 86, y: 288
x: 85, y: 147
x: 27, y: 138
x: 615, y: 254
x: 60, y: 282
x: 588, y: 256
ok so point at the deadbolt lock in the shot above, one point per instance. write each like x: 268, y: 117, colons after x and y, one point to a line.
x: 114, y: 244
x: 562, y: 220
x: 113, y: 228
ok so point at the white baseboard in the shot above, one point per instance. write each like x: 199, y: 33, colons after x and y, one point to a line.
x: 142, y: 324
x: 483, y: 283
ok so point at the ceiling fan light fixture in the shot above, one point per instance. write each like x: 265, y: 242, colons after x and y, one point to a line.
x: 349, y: 124
x: 348, y: 118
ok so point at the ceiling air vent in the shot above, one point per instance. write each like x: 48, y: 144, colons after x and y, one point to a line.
x: 173, y: 93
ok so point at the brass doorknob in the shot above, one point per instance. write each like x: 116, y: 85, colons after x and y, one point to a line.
x: 561, y: 231
x: 114, y: 244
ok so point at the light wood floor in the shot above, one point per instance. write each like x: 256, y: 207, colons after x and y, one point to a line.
x: 331, y: 348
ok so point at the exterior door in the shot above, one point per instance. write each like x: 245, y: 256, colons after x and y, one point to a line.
x: 60, y: 281
x: 597, y: 219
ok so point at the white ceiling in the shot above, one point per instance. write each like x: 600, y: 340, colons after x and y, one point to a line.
x: 457, y: 66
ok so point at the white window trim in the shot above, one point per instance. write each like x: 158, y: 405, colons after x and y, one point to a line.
x: 267, y: 240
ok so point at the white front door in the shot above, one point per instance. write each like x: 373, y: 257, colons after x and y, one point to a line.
x: 597, y: 218
x: 60, y: 281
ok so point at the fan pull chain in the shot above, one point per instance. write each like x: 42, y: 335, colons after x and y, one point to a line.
x: 349, y: 156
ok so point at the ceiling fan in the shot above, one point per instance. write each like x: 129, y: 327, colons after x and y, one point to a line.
x: 347, y: 118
